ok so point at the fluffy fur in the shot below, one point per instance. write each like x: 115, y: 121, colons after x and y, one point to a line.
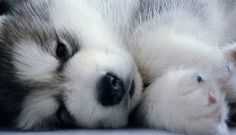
x: 114, y: 36
x: 53, y: 55
x: 193, y: 103
x: 187, y: 34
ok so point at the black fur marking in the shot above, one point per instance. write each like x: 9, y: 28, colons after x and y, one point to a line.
x: 232, y: 116
x: 66, y: 120
x: 131, y: 92
x: 4, y: 7
x: 12, y: 91
x: 135, y: 121
x: 36, y: 27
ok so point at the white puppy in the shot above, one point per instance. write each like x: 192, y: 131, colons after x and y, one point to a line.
x: 186, y: 101
x: 181, y: 34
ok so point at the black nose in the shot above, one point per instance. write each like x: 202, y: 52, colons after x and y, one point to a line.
x: 110, y: 90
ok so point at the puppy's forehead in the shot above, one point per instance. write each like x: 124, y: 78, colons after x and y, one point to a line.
x: 27, y: 22
x: 30, y: 21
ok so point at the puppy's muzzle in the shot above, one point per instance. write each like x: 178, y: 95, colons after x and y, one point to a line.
x: 112, y: 90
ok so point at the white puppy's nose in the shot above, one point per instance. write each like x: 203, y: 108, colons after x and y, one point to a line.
x: 212, y: 99
x: 111, y: 90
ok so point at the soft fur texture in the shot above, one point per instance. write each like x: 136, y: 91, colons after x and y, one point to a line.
x: 124, y: 37
x: 187, y: 34
x: 41, y: 90
x: 192, y: 104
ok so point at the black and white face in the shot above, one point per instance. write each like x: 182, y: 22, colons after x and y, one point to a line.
x: 62, y: 66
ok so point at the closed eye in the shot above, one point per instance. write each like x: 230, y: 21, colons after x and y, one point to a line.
x: 62, y: 51
x: 228, y: 68
x: 199, y: 79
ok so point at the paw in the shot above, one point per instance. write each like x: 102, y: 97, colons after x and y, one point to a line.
x: 185, y: 101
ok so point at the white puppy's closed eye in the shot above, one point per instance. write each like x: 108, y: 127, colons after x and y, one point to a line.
x: 185, y: 101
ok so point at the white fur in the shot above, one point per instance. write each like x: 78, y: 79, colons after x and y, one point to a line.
x: 171, y: 49
x: 231, y: 20
x: 83, y: 71
x: 33, y: 63
x: 100, y: 51
x: 230, y: 85
x: 184, y: 105
x: 176, y: 37
x: 37, y: 106
x: 80, y: 14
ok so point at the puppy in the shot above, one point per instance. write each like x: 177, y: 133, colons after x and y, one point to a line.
x: 185, y: 101
x: 62, y: 65
x: 188, y: 34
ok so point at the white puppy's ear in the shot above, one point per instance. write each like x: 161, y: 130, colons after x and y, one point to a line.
x: 230, y: 52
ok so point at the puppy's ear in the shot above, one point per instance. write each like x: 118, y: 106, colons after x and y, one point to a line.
x: 4, y: 7
x: 230, y: 52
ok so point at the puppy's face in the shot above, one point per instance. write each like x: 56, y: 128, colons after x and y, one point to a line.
x: 71, y: 67
x: 192, y: 103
